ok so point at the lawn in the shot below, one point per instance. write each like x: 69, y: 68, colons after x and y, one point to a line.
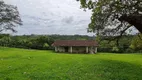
x: 21, y: 64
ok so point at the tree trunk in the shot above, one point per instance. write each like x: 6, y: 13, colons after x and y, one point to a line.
x: 135, y: 20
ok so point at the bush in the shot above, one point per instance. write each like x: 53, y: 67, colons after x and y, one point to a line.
x: 115, y: 49
x: 129, y: 50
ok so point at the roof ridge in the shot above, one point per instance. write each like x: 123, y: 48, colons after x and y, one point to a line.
x: 75, y: 43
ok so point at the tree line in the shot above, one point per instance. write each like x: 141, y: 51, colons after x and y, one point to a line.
x: 41, y: 42
x: 129, y: 43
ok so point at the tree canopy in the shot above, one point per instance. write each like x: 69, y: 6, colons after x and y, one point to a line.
x: 114, y: 17
x: 9, y: 17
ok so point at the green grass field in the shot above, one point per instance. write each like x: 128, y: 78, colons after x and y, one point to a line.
x: 20, y: 64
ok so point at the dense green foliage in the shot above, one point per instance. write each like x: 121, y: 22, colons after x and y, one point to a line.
x: 129, y: 43
x: 9, y: 17
x: 28, y: 42
x: 20, y: 64
x: 114, y: 17
x: 136, y: 43
x: 36, y: 41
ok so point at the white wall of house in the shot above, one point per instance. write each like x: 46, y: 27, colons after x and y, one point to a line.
x: 71, y: 49
x: 59, y: 49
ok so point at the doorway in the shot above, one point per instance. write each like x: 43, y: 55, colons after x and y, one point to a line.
x: 66, y: 49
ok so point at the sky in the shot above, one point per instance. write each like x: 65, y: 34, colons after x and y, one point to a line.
x: 51, y: 17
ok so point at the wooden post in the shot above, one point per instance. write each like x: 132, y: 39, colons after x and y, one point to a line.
x: 91, y: 50
x: 95, y: 49
x: 71, y: 49
x: 87, y: 49
x: 55, y: 49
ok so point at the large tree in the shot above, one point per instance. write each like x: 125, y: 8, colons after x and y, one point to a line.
x: 9, y: 17
x: 114, y: 17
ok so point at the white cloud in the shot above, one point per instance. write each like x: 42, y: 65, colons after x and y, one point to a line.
x: 51, y: 17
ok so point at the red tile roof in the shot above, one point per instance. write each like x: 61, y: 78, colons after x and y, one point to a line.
x: 75, y: 43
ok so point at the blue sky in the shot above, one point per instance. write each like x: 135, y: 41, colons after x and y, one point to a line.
x: 51, y: 17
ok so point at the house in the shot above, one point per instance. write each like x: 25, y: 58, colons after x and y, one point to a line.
x: 76, y: 46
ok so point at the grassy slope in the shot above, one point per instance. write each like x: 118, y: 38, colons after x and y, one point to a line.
x: 20, y: 64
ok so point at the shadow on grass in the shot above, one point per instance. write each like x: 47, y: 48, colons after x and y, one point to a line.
x: 118, y: 70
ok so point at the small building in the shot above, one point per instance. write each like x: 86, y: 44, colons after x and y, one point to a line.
x: 76, y: 46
